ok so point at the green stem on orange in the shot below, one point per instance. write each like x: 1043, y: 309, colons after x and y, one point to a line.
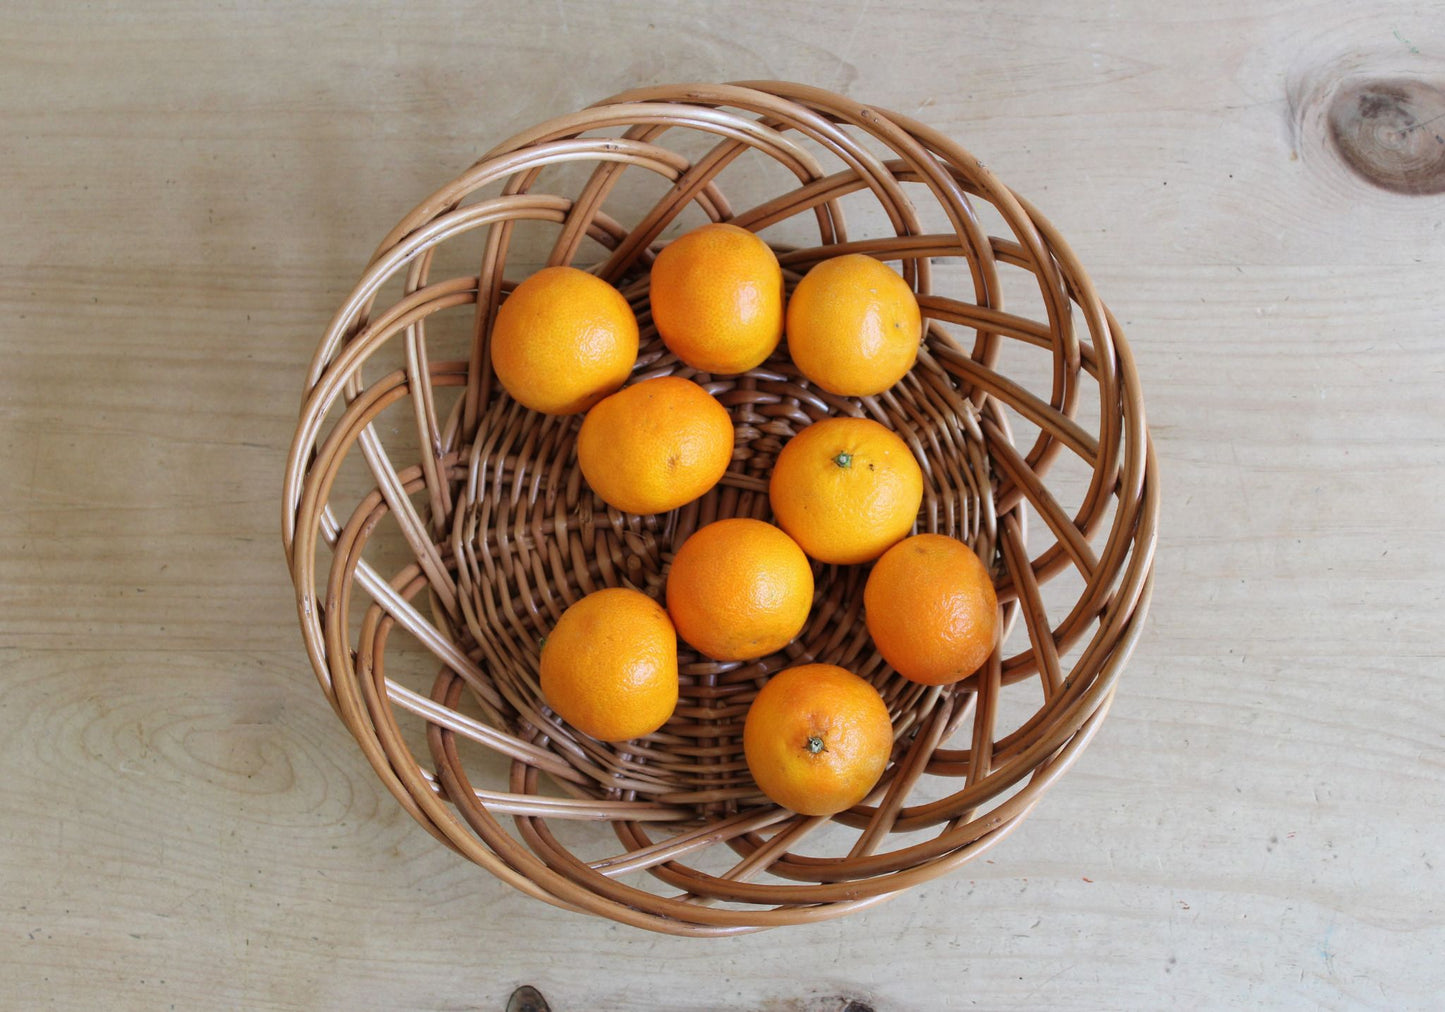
x: 844, y: 459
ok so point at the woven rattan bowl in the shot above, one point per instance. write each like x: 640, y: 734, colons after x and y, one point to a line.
x: 435, y: 529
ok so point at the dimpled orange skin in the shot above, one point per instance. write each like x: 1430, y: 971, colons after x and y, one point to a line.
x: 846, y: 489
x: 563, y: 340
x: 854, y: 326
x: 931, y: 609
x: 739, y: 589
x: 609, y: 666
x: 717, y: 298
x: 817, y: 739
x: 655, y: 446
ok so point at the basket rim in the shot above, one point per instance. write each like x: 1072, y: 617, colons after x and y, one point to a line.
x: 1123, y: 493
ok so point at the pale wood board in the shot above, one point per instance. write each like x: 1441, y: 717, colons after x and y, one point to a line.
x: 187, y: 191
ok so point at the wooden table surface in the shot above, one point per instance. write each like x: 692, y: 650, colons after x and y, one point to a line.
x: 188, y: 190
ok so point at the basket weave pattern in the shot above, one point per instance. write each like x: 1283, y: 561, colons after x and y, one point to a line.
x: 502, y: 533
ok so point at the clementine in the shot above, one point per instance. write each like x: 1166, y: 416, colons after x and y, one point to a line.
x: 846, y: 489
x: 563, y: 340
x: 739, y: 589
x: 853, y: 326
x: 717, y: 298
x: 609, y: 667
x: 817, y: 739
x: 656, y: 445
x: 931, y: 609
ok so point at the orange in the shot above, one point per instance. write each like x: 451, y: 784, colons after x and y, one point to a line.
x: 717, y: 298
x: 563, y: 340
x: 739, y: 589
x: 656, y: 445
x: 846, y: 489
x: 609, y: 667
x: 931, y: 609
x: 854, y: 326
x: 817, y: 739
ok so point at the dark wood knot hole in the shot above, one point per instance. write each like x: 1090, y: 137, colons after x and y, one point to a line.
x: 1392, y: 133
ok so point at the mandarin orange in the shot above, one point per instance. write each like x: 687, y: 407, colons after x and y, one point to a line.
x: 739, y: 589
x: 853, y: 326
x: 609, y: 666
x: 931, y: 609
x: 717, y: 298
x: 817, y: 739
x: 563, y: 340
x: 656, y: 445
x: 846, y: 489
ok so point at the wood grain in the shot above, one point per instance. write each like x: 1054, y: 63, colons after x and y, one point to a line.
x: 189, y: 189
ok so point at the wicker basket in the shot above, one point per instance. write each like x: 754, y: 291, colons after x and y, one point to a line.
x: 427, y: 515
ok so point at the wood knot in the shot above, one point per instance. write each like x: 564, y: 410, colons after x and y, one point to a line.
x: 1391, y: 132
